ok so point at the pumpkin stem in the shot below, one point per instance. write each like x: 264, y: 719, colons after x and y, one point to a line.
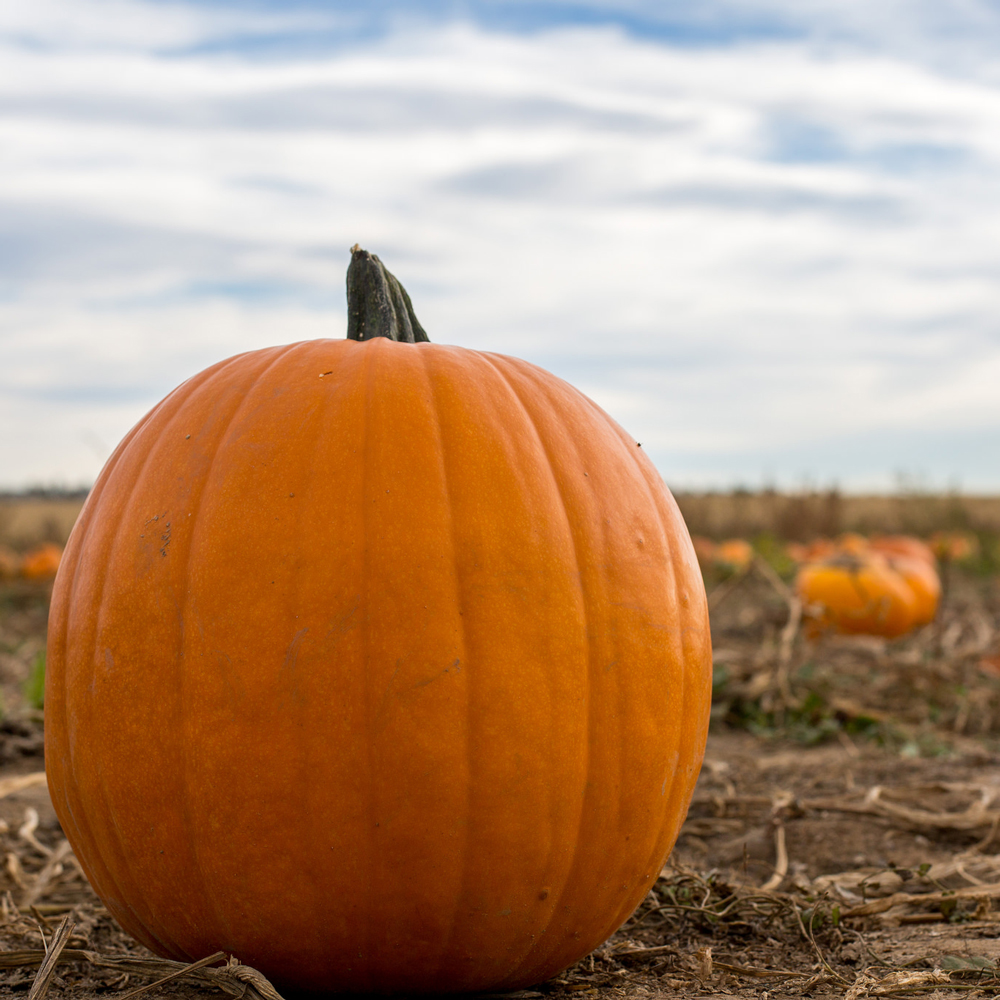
x: 377, y: 304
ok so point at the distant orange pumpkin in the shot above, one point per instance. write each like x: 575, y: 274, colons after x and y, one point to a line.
x: 954, y: 546
x: 903, y: 545
x: 818, y: 548
x: 41, y: 563
x: 859, y: 595
x: 923, y: 580
x: 736, y: 554
x: 854, y: 543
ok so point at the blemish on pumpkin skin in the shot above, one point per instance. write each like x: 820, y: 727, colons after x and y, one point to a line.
x: 291, y: 657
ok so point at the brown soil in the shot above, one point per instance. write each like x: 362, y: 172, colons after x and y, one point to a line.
x: 844, y: 838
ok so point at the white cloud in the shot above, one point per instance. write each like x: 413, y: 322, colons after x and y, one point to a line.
x: 740, y: 250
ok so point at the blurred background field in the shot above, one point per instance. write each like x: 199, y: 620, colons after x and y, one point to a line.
x: 804, y: 516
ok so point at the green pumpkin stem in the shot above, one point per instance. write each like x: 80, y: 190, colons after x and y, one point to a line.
x: 377, y: 304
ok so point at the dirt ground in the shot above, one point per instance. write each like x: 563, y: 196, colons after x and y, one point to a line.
x: 844, y: 839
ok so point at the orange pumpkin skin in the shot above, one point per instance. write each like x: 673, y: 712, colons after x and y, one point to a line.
x: 382, y: 666
x: 922, y: 578
x: 860, y: 595
x: 907, y: 546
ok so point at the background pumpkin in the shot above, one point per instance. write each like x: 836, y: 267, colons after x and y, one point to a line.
x: 858, y: 594
x: 903, y: 545
x: 734, y: 554
x: 954, y: 546
x: 42, y: 562
x: 922, y: 578
x: 384, y: 666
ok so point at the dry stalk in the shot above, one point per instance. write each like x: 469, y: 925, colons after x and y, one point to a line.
x: 47, y: 970
x: 754, y: 973
x: 781, y: 675
x: 877, y: 906
x: 52, y: 869
x: 810, y: 937
x: 236, y: 979
x: 193, y: 967
x: 781, y: 803
x: 900, y: 981
x: 873, y: 802
x: 19, y: 782
x: 724, y: 589
x: 27, y: 832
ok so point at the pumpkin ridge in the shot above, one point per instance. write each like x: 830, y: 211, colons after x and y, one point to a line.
x: 544, y: 390
x: 145, y: 933
x: 684, y: 695
x: 328, y: 400
x: 366, y: 589
x: 219, y: 913
x: 425, y: 361
x: 532, y: 957
x: 80, y: 533
x: 659, y: 502
x: 123, y: 899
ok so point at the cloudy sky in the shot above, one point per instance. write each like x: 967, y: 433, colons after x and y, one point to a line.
x: 763, y: 234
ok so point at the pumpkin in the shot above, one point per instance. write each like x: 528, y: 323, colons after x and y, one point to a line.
x: 817, y: 549
x: 903, y: 545
x: 41, y: 563
x: 735, y: 554
x: 380, y: 664
x: 923, y: 580
x: 852, y: 543
x: 858, y: 594
x: 954, y: 546
x: 797, y: 552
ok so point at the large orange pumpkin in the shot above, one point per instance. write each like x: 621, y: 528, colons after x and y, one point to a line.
x: 384, y: 666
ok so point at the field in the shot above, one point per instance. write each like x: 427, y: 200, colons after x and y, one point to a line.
x: 844, y: 839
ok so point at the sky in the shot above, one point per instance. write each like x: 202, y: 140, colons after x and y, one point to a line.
x: 764, y: 235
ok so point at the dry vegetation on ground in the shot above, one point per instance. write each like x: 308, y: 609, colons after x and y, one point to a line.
x: 844, y: 839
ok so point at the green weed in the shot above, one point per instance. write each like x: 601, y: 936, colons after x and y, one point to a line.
x: 34, y: 686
